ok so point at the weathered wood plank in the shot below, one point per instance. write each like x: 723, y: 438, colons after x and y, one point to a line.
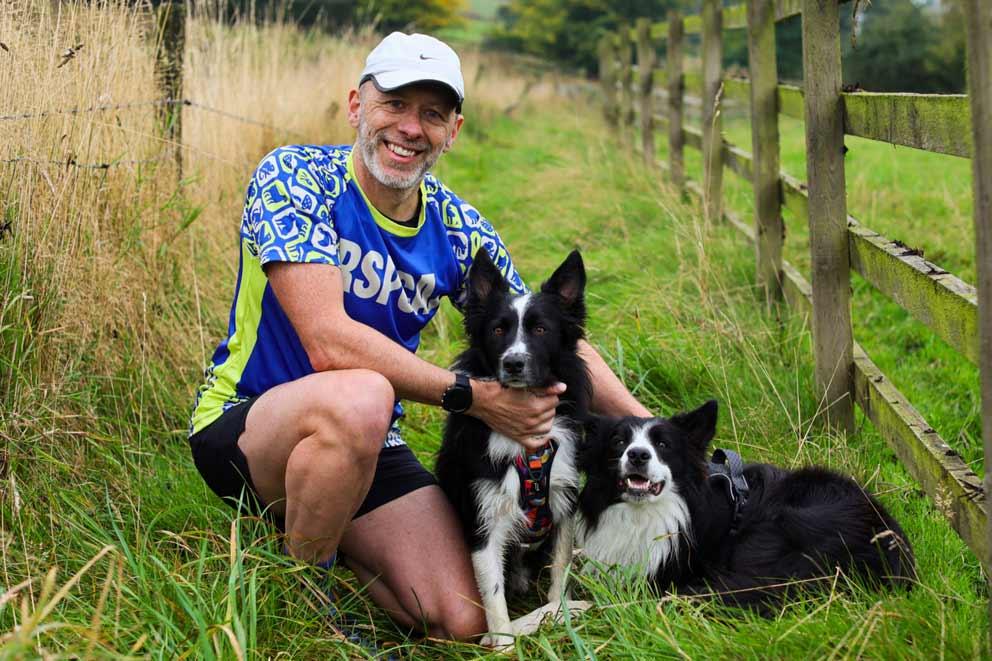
x: 692, y: 137
x: 676, y: 137
x: 626, y: 75
x: 645, y: 79
x: 829, y: 258
x: 735, y: 17
x: 933, y: 122
x: 790, y: 101
x: 608, y: 79
x: 954, y: 488
x: 797, y: 292
x: 712, y: 122
x: 738, y: 161
x: 978, y: 18
x: 693, y: 83
x: 932, y: 295
x: 945, y: 477
x: 787, y: 8
x: 737, y: 89
x: 765, y: 147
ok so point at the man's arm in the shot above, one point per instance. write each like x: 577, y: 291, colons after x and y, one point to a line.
x: 609, y: 395
x: 312, y: 297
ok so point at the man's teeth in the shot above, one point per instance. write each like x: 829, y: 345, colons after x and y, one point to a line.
x: 401, y: 151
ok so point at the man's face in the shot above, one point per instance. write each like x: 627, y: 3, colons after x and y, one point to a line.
x: 402, y: 133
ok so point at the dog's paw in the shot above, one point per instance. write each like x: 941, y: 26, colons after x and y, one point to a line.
x: 497, y: 641
x: 549, y: 612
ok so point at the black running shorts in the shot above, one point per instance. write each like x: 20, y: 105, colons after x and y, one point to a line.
x: 225, y: 469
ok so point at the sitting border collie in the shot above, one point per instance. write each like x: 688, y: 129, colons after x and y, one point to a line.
x: 749, y: 534
x: 516, y: 510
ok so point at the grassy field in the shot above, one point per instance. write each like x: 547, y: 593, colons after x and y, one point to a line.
x: 115, y: 285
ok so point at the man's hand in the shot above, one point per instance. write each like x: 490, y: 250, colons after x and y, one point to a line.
x: 522, y: 414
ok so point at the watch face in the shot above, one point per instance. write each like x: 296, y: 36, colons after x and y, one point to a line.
x: 457, y: 398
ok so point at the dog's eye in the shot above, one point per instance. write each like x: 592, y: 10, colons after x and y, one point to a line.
x: 540, y: 330
x: 498, y: 331
x: 618, y: 441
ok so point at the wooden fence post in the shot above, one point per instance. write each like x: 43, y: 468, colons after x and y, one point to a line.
x: 978, y: 18
x: 676, y: 141
x: 608, y: 79
x: 645, y: 88
x: 169, y: 71
x: 626, y: 83
x: 828, y: 242
x: 712, y: 129
x: 769, y: 229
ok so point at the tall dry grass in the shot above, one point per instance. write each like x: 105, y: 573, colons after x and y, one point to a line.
x: 115, y: 282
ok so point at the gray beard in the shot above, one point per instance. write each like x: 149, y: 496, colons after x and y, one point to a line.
x: 367, y: 144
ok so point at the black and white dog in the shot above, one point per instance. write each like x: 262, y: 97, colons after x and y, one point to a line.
x: 652, y: 500
x: 516, y: 510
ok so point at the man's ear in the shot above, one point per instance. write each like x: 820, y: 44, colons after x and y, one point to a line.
x: 568, y: 281
x: 699, y: 426
x: 484, y: 278
x: 354, y: 107
x: 449, y: 143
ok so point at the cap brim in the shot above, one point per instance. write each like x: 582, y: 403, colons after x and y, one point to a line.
x: 393, y: 80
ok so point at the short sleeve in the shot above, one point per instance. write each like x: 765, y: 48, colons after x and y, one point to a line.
x: 287, y: 217
x: 468, y: 231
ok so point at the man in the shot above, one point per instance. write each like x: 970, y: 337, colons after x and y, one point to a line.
x: 345, y: 254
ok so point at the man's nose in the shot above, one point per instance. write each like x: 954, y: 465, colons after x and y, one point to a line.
x: 409, y: 124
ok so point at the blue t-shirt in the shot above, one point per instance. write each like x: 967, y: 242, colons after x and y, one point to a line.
x: 304, y: 204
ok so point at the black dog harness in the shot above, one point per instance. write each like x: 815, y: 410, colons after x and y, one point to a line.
x: 727, y: 468
x: 535, y: 487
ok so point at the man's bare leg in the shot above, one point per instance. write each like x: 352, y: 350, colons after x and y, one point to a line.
x: 412, y: 555
x: 312, y: 446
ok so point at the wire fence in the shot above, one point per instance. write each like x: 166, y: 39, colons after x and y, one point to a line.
x: 71, y: 162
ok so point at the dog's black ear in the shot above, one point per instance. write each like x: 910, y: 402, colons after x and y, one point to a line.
x: 568, y: 281
x: 484, y: 278
x: 598, y: 430
x: 699, y: 425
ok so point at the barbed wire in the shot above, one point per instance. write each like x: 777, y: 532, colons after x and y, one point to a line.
x: 70, y: 162
x: 147, y: 104
x: 78, y: 111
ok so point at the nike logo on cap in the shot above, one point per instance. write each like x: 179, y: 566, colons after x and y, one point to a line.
x: 424, y: 57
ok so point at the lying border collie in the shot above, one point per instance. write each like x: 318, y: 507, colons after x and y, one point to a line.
x: 516, y: 510
x: 652, y: 500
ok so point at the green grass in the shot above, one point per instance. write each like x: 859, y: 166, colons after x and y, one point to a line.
x: 672, y: 307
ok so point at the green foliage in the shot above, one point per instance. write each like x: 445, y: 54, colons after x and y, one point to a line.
x: 335, y: 15
x: 409, y: 15
x: 907, y: 46
x: 568, y: 31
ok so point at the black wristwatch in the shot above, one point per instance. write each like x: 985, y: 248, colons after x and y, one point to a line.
x: 458, y: 396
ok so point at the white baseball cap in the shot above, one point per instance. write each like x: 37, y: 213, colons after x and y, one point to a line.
x: 401, y: 59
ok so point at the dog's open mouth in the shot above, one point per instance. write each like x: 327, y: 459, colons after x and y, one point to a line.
x: 639, y: 485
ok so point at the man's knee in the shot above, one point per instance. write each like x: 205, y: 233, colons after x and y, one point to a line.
x: 354, y: 410
x: 459, y: 620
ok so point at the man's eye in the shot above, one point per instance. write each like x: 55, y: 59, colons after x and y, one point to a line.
x: 434, y: 116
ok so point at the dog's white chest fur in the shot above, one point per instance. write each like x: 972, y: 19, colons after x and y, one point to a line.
x: 646, y: 535
x: 499, y: 502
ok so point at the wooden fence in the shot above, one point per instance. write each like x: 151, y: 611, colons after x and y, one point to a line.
x: 948, y: 124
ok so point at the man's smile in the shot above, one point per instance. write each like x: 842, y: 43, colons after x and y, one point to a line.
x: 400, y: 153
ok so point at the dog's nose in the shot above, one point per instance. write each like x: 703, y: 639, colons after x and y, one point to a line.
x: 638, y: 456
x: 514, y: 365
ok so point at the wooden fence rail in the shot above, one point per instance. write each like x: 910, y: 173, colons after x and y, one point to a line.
x: 948, y: 124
